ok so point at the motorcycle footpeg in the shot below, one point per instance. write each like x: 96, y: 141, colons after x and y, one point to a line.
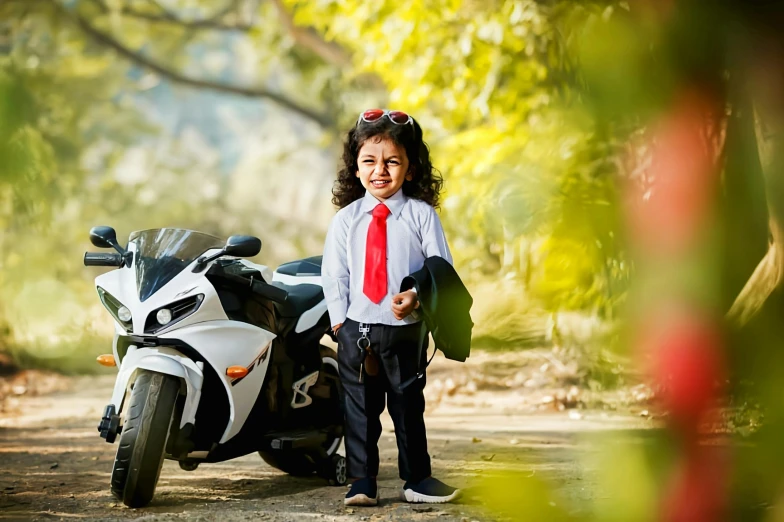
x: 296, y: 439
x: 109, y: 427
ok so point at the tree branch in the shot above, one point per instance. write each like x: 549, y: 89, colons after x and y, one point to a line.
x: 310, y: 38
x: 213, y: 22
x: 175, y: 76
x: 331, y: 52
x: 766, y: 277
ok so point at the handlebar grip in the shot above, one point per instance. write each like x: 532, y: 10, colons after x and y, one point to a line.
x: 102, y: 259
x: 270, y: 292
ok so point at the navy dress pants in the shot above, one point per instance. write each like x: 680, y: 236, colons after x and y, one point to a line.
x: 397, y: 353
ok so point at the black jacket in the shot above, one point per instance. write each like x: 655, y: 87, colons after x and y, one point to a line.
x: 445, y: 304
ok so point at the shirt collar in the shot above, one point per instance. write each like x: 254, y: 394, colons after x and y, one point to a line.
x: 394, y: 203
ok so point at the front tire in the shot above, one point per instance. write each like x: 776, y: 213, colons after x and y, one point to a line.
x: 137, y: 465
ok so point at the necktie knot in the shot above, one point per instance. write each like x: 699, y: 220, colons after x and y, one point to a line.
x: 381, y: 211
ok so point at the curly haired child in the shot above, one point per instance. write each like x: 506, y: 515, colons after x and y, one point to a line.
x: 387, y: 225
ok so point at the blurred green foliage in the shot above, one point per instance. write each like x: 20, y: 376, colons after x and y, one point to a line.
x: 529, y: 175
x: 78, y: 148
x: 530, y: 195
x: 539, y: 114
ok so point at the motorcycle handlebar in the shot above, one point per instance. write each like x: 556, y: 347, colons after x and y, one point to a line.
x: 102, y: 259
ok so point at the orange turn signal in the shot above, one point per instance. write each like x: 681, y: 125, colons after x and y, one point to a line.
x: 106, y: 359
x: 236, y: 372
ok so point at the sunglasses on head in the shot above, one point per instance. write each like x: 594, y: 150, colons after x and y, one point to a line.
x: 396, y: 117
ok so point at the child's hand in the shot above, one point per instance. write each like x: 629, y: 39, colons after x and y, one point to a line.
x: 404, y: 303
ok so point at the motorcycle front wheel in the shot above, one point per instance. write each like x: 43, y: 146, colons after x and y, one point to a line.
x: 143, y: 439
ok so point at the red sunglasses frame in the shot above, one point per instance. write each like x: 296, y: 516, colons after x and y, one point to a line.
x: 373, y: 115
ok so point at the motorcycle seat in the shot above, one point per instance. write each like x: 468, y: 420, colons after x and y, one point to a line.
x: 301, y: 298
x: 310, y: 266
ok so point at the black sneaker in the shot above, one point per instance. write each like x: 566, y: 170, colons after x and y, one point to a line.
x: 429, y: 491
x: 363, y: 492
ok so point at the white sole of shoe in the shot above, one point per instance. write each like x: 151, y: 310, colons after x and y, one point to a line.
x: 409, y: 495
x: 361, y: 500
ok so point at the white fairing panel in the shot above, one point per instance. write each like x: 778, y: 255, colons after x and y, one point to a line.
x: 232, y: 343
x: 208, y: 330
x: 309, y: 319
x: 122, y: 285
x: 222, y: 344
x: 162, y: 360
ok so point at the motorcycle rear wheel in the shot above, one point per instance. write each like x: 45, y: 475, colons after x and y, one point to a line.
x: 301, y: 464
x: 295, y: 464
x: 140, y: 453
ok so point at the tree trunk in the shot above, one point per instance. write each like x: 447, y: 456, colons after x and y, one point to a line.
x: 767, y: 81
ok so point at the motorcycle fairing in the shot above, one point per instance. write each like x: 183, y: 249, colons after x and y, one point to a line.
x: 221, y: 342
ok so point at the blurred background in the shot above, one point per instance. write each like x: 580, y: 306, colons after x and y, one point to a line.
x: 614, y: 189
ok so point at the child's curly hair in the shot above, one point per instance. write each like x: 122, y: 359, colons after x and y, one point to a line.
x: 426, y: 183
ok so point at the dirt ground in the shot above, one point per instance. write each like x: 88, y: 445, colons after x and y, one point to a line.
x: 496, y: 413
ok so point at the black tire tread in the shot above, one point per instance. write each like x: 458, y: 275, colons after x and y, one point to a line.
x: 143, y: 439
x: 295, y: 464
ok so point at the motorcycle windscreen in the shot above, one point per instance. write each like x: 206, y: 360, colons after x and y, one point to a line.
x: 162, y: 253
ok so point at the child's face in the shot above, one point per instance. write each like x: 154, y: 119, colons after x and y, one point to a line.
x: 382, y: 167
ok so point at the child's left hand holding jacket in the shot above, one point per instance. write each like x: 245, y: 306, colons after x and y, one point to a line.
x: 404, y: 303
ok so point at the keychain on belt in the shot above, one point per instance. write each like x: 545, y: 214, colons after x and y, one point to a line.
x: 363, y: 343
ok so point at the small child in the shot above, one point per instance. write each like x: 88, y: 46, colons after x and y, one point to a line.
x: 385, y: 229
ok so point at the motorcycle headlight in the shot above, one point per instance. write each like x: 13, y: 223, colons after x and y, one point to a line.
x: 120, y: 312
x: 124, y: 314
x: 172, y: 313
x: 164, y: 316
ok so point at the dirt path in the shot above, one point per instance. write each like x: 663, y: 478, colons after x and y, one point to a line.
x: 53, y: 465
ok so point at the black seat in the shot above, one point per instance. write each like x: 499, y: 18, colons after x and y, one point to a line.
x: 301, y: 298
x: 310, y: 266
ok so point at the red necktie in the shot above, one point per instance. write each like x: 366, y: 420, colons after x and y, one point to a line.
x: 375, y: 286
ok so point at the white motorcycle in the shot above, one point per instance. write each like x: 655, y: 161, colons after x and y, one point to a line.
x: 217, y: 358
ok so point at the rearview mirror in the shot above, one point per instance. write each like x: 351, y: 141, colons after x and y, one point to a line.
x: 242, y: 246
x: 103, y: 237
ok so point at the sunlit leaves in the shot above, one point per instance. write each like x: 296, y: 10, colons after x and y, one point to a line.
x: 492, y: 85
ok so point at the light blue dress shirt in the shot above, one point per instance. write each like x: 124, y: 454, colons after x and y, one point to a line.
x: 414, y: 233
